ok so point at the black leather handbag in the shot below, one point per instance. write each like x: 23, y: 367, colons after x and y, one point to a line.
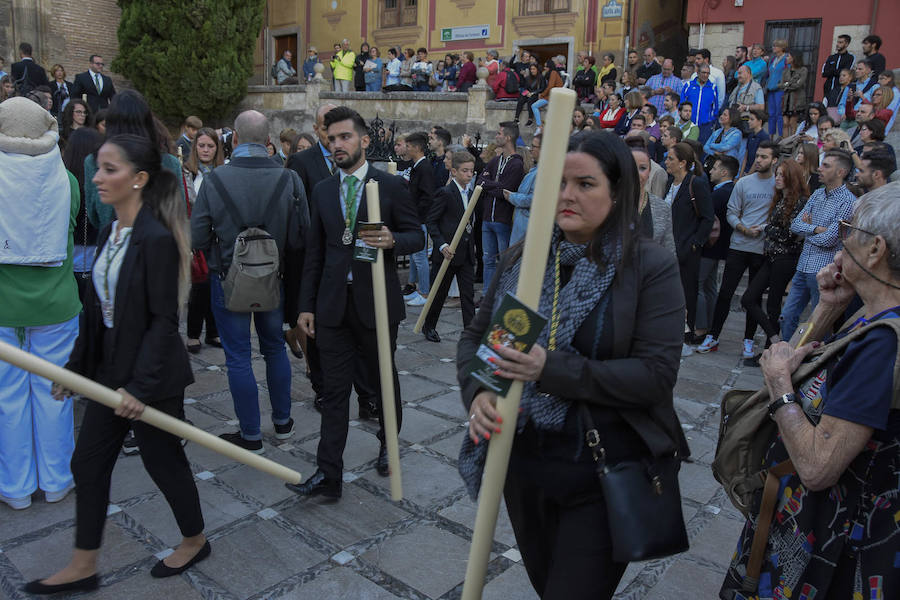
x: 643, y: 501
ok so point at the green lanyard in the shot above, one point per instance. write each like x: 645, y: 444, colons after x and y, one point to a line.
x: 350, y: 206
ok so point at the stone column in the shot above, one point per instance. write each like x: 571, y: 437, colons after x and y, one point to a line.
x: 476, y: 108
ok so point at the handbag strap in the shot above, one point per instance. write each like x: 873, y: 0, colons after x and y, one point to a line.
x: 763, y: 523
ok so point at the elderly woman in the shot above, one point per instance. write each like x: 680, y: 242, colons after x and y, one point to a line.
x: 610, y: 349
x: 834, y: 528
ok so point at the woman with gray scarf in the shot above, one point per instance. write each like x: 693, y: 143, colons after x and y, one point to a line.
x: 615, y: 313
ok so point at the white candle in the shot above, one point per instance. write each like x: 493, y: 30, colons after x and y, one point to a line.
x: 460, y: 229
x: 392, y: 168
x: 373, y: 206
x: 534, y: 261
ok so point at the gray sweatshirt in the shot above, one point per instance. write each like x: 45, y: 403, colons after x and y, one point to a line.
x: 749, y: 206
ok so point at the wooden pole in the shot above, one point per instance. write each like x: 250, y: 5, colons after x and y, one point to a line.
x: 151, y: 416
x: 460, y: 229
x: 385, y: 360
x: 534, y: 262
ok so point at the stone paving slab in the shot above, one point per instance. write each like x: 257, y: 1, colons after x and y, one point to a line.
x: 269, y: 543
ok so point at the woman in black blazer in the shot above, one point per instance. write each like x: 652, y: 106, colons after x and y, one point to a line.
x: 689, y: 195
x: 60, y: 90
x: 611, y: 347
x: 128, y: 340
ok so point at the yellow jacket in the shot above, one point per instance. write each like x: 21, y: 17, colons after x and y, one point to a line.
x: 342, y: 64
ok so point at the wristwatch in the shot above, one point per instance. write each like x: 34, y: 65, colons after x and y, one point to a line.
x: 779, y: 402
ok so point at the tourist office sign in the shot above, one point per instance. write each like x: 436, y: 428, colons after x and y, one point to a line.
x: 612, y: 10
x: 473, y: 32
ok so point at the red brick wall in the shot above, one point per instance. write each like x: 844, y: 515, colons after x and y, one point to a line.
x: 75, y: 30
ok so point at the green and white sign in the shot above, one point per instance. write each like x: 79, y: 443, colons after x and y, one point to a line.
x: 474, y: 32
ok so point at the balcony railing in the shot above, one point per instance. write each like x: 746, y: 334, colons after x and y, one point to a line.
x: 542, y: 7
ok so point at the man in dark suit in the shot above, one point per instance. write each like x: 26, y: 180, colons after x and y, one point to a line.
x: 27, y: 74
x: 447, y: 209
x: 336, y: 294
x: 314, y: 165
x: 421, y: 187
x: 95, y: 85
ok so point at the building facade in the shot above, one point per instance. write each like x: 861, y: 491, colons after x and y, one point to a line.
x: 546, y: 27
x: 720, y: 25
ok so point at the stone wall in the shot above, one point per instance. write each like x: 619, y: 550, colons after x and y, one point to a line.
x: 719, y: 38
x: 295, y: 106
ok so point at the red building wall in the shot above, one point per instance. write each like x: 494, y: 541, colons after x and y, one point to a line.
x: 755, y: 13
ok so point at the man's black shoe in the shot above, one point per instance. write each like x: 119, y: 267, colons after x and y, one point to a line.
x: 432, y: 335
x: 381, y: 465
x: 317, y: 403
x: 317, y: 485
x: 368, y: 410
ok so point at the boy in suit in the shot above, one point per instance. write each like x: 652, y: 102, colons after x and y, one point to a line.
x: 447, y: 209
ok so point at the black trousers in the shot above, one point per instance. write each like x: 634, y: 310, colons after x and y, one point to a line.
x: 736, y: 263
x: 94, y: 458
x: 340, y: 348
x: 365, y: 392
x: 465, y: 277
x: 689, y: 269
x: 200, y: 312
x: 523, y: 102
x: 774, y: 275
x: 559, y: 517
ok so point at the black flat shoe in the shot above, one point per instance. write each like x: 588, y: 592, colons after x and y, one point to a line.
x: 297, y: 352
x: 161, y: 569
x: 432, y: 335
x: 214, y: 342
x: 194, y: 348
x: 317, y: 485
x: 86, y: 584
x: 381, y: 465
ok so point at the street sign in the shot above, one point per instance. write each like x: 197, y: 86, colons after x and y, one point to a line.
x: 612, y: 10
x: 474, y: 32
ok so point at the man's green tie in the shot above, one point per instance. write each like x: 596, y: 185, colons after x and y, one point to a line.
x: 98, y: 82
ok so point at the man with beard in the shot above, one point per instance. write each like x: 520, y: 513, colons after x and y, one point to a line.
x: 336, y: 294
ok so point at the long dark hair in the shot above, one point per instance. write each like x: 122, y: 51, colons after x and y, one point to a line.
x: 68, y: 117
x: 794, y: 191
x: 161, y: 195
x: 618, y: 165
x: 83, y: 142
x: 129, y: 113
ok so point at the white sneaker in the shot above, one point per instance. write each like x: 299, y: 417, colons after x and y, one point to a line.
x: 16, y: 503
x: 710, y: 344
x: 748, y: 349
x: 417, y: 300
x: 411, y: 295
x: 53, y: 497
x: 686, y: 350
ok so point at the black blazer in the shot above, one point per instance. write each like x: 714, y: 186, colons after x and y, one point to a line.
x: 147, y: 356
x: 422, y: 187
x: 323, y: 289
x: 720, y: 198
x: 690, y: 225
x: 36, y: 74
x: 310, y: 165
x: 647, y: 329
x: 443, y: 218
x: 84, y: 84
x: 59, y: 93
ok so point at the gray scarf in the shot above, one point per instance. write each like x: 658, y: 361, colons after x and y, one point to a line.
x: 583, y: 292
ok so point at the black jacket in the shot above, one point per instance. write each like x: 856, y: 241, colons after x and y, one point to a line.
x: 691, y: 224
x: 422, y: 187
x: 647, y: 320
x: 310, y: 165
x: 324, y: 289
x: 831, y: 71
x: 147, y: 356
x: 84, y: 84
x: 497, y: 208
x: 60, y: 93
x: 720, y: 199
x: 443, y: 218
x: 36, y: 75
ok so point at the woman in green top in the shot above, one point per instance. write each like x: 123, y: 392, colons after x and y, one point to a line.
x: 128, y: 112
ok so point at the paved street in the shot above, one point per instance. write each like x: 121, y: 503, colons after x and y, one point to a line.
x: 269, y: 543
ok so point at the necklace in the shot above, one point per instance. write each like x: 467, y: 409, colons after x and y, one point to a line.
x: 554, y: 318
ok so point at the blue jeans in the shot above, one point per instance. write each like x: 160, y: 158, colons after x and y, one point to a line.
x: 234, y: 331
x: 536, y: 111
x: 418, y: 267
x: 373, y: 86
x: 706, y: 130
x: 776, y: 121
x: 494, y: 240
x: 804, y: 290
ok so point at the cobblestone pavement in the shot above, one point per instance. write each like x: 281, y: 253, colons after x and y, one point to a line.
x: 269, y: 543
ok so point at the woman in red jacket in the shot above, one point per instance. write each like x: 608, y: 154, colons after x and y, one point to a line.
x: 614, y: 112
x: 466, y: 73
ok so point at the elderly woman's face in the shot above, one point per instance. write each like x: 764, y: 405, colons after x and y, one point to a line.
x: 585, y: 198
x: 865, y: 134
